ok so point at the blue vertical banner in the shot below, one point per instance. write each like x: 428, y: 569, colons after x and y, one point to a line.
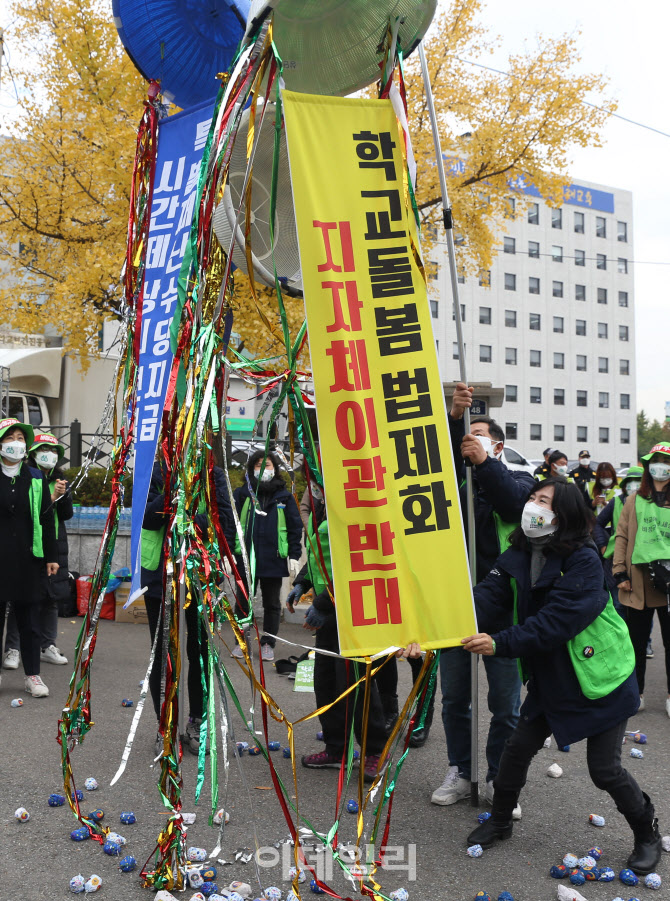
x: 181, y: 141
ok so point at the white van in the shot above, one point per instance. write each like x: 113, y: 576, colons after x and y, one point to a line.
x: 29, y: 408
x: 514, y: 459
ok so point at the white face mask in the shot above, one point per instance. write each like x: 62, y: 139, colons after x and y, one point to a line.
x: 561, y: 470
x: 631, y: 487
x: 488, y: 446
x: 45, y: 458
x: 13, y: 451
x: 585, y: 461
x: 660, y: 472
x: 606, y: 483
x: 317, y: 494
x: 267, y: 474
x: 537, y: 521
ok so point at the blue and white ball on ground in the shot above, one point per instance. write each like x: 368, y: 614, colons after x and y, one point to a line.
x: 505, y: 896
x: 607, y: 874
x: 91, y: 784
x: 559, y: 871
x: 577, y: 877
x: 235, y: 896
x: 77, y: 884
x: 197, y: 854
x: 653, y: 880
x: 475, y: 851
x: 208, y: 873
x: 56, y: 800
x: 628, y: 877
x: 292, y: 896
x: 314, y: 887
x: 586, y: 863
x: 127, y: 864
x: 483, y: 817
x: 592, y: 875
x: 570, y: 860
x: 80, y: 834
x: 352, y: 806
x: 596, y: 853
x: 482, y: 896
x: 111, y: 848
x: 128, y: 818
x: 194, y: 878
x: 92, y: 884
x: 294, y: 871
x: 400, y: 894
x: 272, y: 893
x: 115, y: 837
x: 209, y: 888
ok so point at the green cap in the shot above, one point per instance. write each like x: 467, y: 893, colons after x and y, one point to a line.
x: 11, y: 423
x: 663, y: 447
x: 46, y: 439
x: 634, y: 472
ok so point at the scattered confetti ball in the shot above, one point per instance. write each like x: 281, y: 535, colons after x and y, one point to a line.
x: 570, y: 860
x: 115, y: 837
x: 17, y: 702
x: 198, y: 897
x: 197, y: 854
x: 235, y: 896
x: 483, y: 817
x: 96, y: 815
x: 596, y: 853
x: 195, y: 878
x: 628, y: 877
x: 188, y: 818
x: 78, y: 795
x: 400, y: 894
x: 586, y: 863
x: 254, y: 751
x: 91, y: 784
x: 636, y: 752
x: 208, y: 873
x: 111, y: 848
x: 653, y: 880
x: 607, y: 874
x: 592, y: 875
x: 618, y: 899
x: 559, y: 871
x: 56, y: 800
x: 633, y: 899
x: 242, y: 888
x: 665, y: 843
x: 294, y: 871
x: 127, y: 864
x: 357, y: 754
x: 554, y: 771
x: 274, y: 745
x: 22, y: 814
x: 596, y: 820
x: 505, y: 896
x: 286, y: 752
x: 77, y: 884
x: 219, y: 816
x: 578, y: 877
x: 475, y: 851
x: 319, y: 736
x: 314, y: 886
x: 210, y: 888
x: 640, y: 738
x: 292, y: 896
x: 352, y: 806
x: 128, y: 818
x: 93, y: 883
x: 482, y: 896
x: 272, y: 893
x: 565, y: 748
x: 80, y: 834
x: 126, y: 702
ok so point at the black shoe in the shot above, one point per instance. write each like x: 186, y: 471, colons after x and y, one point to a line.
x: 390, y: 709
x: 489, y: 833
x: 419, y: 737
x: 646, y: 850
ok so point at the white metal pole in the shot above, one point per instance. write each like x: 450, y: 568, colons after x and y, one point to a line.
x: 447, y: 219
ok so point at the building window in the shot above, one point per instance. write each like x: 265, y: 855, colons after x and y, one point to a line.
x: 624, y: 436
x: 535, y: 431
x: 623, y: 333
x: 510, y: 281
x: 604, y: 436
x: 536, y: 358
x: 602, y: 329
x: 622, y: 266
x: 557, y: 218
x: 582, y: 434
x: 453, y: 314
x: 559, y: 324
x: 485, y: 315
x: 433, y: 309
x: 601, y: 227
x: 536, y: 395
x: 603, y: 364
x: 484, y: 278
x: 579, y: 223
x: 510, y: 207
x: 454, y: 351
x: 624, y: 401
x: 557, y: 289
x: 580, y: 258
x: 534, y: 249
x: 601, y: 261
x: 582, y: 398
x: 511, y: 394
x: 511, y: 431
x: 580, y: 326
x: 604, y: 400
x: 533, y: 285
x: 460, y: 277
x: 432, y: 270
x: 510, y: 318
x: 556, y: 253
x: 559, y: 397
x: 623, y: 298
x: 510, y: 356
x: 484, y: 353
x: 509, y: 245
x: 624, y: 367
x: 581, y: 362
x: 622, y: 231
x: 459, y: 237
x: 602, y: 295
x: 559, y: 361
x: 535, y: 321
x: 559, y: 433
x: 534, y: 214
x: 580, y: 292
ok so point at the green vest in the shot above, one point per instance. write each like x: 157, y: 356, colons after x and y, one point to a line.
x: 152, y: 547
x: 609, y: 493
x: 56, y: 520
x: 316, y: 575
x: 503, y: 531
x: 652, y: 541
x: 616, y: 513
x: 35, y: 498
x: 541, y: 477
x: 282, y: 532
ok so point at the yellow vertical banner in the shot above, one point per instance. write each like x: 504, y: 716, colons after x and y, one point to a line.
x: 400, y: 569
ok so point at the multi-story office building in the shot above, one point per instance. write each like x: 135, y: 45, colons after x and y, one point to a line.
x: 552, y: 324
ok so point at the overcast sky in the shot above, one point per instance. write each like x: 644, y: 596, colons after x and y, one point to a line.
x: 629, y: 45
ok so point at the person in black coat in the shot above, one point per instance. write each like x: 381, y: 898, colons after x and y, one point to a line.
x: 155, y: 520
x: 54, y: 590
x: 583, y: 473
x: 272, y: 536
x: 553, y: 580
x: 499, y: 497
x: 28, y: 547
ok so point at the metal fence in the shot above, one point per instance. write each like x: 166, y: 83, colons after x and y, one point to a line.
x: 79, y: 444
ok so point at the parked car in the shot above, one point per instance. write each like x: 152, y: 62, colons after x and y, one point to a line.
x: 514, y: 459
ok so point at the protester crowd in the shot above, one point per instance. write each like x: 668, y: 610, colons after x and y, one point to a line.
x: 570, y: 568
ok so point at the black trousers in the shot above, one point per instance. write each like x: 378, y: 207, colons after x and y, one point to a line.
x: 332, y: 676
x: 639, y: 626
x: 270, y: 592
x: 603, y: 756
x: 28, y: 622
x: 196, y: 645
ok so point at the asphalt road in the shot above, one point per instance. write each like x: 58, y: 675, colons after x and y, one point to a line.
x: 38, y: 858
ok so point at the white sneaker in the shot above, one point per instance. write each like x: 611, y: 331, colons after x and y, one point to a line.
x: 488, y: 795
x: 237, y: 652
x: 267, y: 652
x: 36, y: 687
x: 453, y: 789
x: 11, y: 659
x: 667, y: 706
x: 52, y: 655
x: 641, y: 707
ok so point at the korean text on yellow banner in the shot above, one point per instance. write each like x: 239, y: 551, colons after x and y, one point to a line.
x: 400, y: 570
